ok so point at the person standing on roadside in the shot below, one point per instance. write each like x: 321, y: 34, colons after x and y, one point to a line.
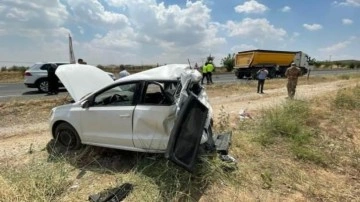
x: 209, y: 69
x: 81, y: 61
x: 53, y: 87
x: 261, y: 76
x: 123, y: 72
x: 204, y: 74
x: 292, y: 73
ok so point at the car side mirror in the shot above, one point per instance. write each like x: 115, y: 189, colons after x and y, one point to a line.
x: 85, y: 104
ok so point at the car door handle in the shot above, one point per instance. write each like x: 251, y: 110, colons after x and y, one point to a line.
x: 124, y: 115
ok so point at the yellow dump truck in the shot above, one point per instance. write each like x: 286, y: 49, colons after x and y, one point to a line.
x: 247, y: 63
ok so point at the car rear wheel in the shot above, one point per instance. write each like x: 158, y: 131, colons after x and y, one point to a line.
x: 43, y: 85
x: 67, y: 136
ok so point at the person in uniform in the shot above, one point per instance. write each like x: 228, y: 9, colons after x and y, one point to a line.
x: 204, y: 74
x: 292, y: 74
x: 209, y: 69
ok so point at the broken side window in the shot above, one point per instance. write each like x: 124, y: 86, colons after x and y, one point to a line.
x: 159, y: 93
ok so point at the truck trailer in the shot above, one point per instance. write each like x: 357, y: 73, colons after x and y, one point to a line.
x: 247, y: 63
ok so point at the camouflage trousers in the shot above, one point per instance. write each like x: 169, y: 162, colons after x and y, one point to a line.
x: 291, y: 87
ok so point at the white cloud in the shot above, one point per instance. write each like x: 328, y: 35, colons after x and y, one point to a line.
x: 355, y: 3
x: 338, y: 46
x: 167, y: 33
x: 346, y: 21
x: 312, y: 27
x: 286, y: 9
x: 93, y: 13
x: 115, y: 32
x: 258, y: 29
x: 251, y: 6
x: 28, y: 15
x: 294, y: 36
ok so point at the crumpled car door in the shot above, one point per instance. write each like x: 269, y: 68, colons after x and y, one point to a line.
x: 184, y: 141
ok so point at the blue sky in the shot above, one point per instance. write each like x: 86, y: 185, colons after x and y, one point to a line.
x: 151, y: 31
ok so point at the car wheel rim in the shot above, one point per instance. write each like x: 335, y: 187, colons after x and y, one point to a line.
x: 67, y: 138
x: 44, y: 86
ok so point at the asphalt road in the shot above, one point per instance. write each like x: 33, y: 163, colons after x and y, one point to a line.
x: 10, y: 91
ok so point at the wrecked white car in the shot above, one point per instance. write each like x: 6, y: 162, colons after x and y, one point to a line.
x: 161, y: 110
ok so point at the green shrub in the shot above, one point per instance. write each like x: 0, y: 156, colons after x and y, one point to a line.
x: 287, y: 120
x: 348, y: 99
x: 308, y: 154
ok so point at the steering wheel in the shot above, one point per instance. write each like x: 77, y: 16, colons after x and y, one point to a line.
x: 116, y: 97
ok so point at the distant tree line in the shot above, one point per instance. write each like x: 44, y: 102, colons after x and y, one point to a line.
x: 228, y: 63
x: 350, y: 64
x: 14, y: 68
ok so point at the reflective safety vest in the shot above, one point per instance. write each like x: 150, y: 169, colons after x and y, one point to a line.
x: 210, y: 67
x: 204, y: 69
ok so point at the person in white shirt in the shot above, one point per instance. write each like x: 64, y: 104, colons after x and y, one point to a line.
x: 123, y: 72
x: 261, y: 76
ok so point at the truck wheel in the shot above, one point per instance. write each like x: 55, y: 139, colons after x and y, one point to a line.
x: 240, y: 75
x: 43, y: 85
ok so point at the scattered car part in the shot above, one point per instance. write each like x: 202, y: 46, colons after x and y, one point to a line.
x: 113, y: 195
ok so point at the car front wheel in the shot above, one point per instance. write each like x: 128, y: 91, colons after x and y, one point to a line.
x: 67, y: 136
x: 43, y: 85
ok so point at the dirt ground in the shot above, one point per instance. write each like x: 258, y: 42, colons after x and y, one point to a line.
x: 253, y: 102
x: 25, y: 135
x: 19, y: 137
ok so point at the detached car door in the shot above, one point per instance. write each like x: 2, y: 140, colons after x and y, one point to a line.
x: 108, y: 119
x: 184, y: 142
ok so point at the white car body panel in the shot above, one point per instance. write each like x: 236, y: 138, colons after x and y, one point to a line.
x: 144, y: 128
x: 152, y: 126
x: 108, y: 121
x: 80, y: 80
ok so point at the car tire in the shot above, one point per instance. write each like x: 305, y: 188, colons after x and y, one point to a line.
x: 42, y: 85
x: 66, y: 135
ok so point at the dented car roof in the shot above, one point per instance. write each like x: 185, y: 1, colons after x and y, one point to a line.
x: 166, y: 72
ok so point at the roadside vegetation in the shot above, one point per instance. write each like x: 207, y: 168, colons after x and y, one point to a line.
x: 300, y: 150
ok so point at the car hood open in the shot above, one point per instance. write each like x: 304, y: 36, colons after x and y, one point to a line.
x: 80, y: 80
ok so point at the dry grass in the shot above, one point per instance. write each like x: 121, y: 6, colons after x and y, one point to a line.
x: 270, y: 172
x: 27, y: 111
x: 11, y: 77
